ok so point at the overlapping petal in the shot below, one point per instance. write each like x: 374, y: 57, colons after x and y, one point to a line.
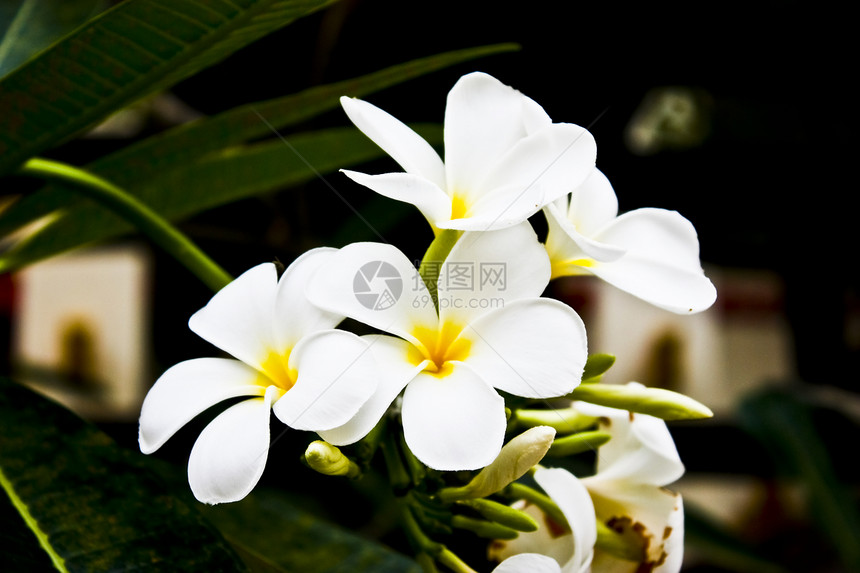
x: 230, y: 454
x: 293, y: 317
x: 627, y: 489
x: 336, y: 375
x: 504, y: 158
x: 572, y: 551
x: 534, y: 348
x: 651, y: 253
x: 187, y: 389
x: 392, y: 378
x: 238, y: 319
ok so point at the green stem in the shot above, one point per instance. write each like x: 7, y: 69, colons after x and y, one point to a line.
x: 153, y: 225
x: 436, y: 254
x: 519, y: 491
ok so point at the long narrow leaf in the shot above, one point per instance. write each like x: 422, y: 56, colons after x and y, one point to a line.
x: 130, y: 167
x: 36, y: 24
x: 92, y: 505
x: 134, y: 49
x: 216, y: 180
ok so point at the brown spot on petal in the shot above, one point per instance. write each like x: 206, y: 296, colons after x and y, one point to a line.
x: 667, y: 532
x: 631, y: 416
x: 555, y: 529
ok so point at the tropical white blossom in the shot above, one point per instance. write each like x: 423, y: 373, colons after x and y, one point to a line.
x: 288, y: 360
x: 492, y: 330
x: 652, y: 254
x: 628, y: 489
x: 626, y: 494
x: 553, y: 548
x: 504, y: 157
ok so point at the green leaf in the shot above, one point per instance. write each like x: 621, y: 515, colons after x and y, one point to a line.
x: 188, y: 142
x: 136, y: 48
x: 91, y: 505
x: 299, y: 541
x: 215, y: 180
x: 33, y: 25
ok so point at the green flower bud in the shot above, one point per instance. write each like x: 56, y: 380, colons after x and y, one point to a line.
x: 516, y: 458
x: 329, y: 460
x: 501, y: 513
x: 485, y: 529
x: 578, y: 443
x: 656, y: 402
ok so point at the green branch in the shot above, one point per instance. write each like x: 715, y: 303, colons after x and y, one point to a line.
x: 126, y: 206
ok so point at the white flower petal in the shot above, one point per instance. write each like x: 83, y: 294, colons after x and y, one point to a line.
x: 393, y: 375
x: 545, y: 165
x: 230, y: 455
x: 550, y: 539
x: 673, y: 540
x: 574, y: 501
x: 643, y: 510
x: 593, y: 204
x: 661, y: 265
x: 528, y: 563
x: 453, y: 422
x: 187, y: 389
x: 565, y: 244
x: 238, y: 319
x: 406, y: 147
x: 534, y: 348
x: 294, y: 316
x: 375, y: 284
x: 641, y: 449
x: 487, y: 270
x: 430, y: 199
x: 336, y: 375
x: 483, y: 120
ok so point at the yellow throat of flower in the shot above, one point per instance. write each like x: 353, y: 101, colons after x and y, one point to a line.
x: 459, y: 208
x: 277, y: 371
x: 439, y: 346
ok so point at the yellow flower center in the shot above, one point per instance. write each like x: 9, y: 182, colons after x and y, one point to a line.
x: 439, y: 347
x: 459, y: 208
x: 572, y: 267
x: 278, y: 372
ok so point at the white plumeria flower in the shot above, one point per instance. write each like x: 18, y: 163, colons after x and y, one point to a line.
x: 628, y: 489
x: 289, y: 360
x: 504, y: 157
x: 500, y: 335
x: 626, y: 493
x: 552, y: 549
x: 652, y: 254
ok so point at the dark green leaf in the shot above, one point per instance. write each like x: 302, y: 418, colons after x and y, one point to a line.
x: 96, y: 506
x: 134, y: 49
x: 215, y: 180
x: 298, y: 541
x: 127, y: 167
x: 33, y: 25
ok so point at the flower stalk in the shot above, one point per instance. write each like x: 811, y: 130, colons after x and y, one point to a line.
x: 125, y: 205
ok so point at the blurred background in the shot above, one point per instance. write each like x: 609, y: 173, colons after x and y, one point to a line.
x: 735, y: 115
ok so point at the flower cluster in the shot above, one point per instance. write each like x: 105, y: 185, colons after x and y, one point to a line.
x: 464, y: 346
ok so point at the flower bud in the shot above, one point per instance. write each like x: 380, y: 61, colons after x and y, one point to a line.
x: 329, y: 460
x: 634, y: 397
x: 516, y: 458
